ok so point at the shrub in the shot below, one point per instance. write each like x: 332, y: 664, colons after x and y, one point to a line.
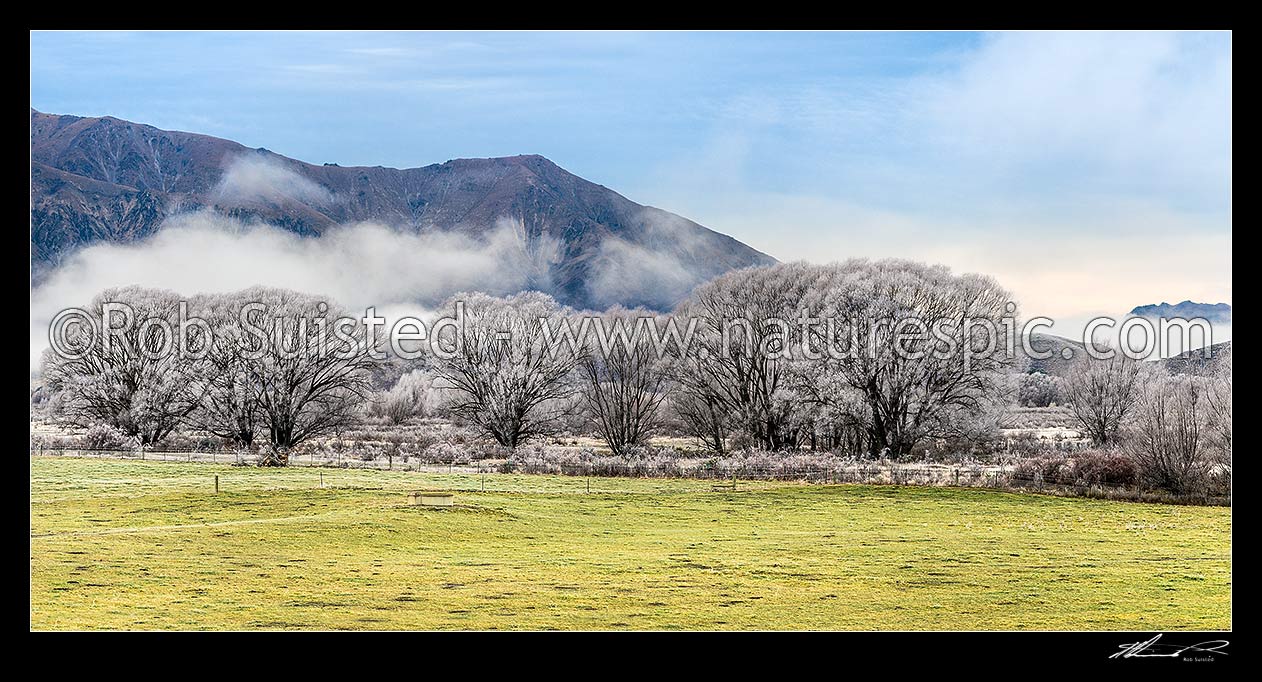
x: 1024, y: 443
x: 742, y: 440
x: 480, y: 451
x: 420, y: 442
x: 446, y: 453
x: 1059, y: 471
x: 1027, y: 471
x: 1112, y: 469
x: 105, y: 437
x: 1038, y: 390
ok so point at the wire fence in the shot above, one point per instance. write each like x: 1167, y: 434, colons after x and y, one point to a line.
x: 725, y: 474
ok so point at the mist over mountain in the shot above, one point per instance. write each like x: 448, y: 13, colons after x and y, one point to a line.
x: 1214, y: 312
x: 519, y: 222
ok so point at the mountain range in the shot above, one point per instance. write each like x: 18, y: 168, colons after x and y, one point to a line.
x: 1213, y: 312
x: 104, y: 179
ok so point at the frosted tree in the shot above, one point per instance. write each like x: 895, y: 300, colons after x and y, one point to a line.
x: 738, y: 362
x: 1218, y: 407
x: 1101, y: 394
x: 413, y: 395
x: 311, y: 373
x: 1167, y: 432
x: 140, y: 381
x: 229, y: 389
x: 1037, y: 389
x: 507, y: 376
x: 924, y: 351
x: 701, y: 416
x: 623, y: 379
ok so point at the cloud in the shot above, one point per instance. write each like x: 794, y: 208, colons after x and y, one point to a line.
x: 1138, y: 113
x: 671, y: 257
x: 358, y: 265
x: 526, y: 260
x: 365, y: 264
x: 633, y: 275
x: 1089, y: 172
x: 259, y: 178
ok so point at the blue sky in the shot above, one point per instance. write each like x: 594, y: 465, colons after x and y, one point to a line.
x: 1089, y: 172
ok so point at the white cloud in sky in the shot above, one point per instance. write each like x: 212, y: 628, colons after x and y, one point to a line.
x: 1130, y: 111
x: 1089, y: 172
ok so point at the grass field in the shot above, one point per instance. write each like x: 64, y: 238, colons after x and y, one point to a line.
x: 149, y: 545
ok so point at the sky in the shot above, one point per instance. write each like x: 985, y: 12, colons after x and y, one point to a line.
x: 1088, y: 172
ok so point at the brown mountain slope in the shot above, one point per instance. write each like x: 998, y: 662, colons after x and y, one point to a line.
x: 105, y: 179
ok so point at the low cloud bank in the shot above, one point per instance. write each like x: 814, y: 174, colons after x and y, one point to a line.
x: 360, y: 265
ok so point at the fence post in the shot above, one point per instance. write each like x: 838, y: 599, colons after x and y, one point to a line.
x: 216, y: 484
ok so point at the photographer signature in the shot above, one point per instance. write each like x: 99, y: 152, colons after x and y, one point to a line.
x: 1152, y: 649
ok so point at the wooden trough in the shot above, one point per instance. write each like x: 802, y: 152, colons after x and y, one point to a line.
x: 431, y: 498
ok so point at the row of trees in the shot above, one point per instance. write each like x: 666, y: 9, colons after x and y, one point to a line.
x: 236, y: 377
x: 515, y: 377
x: 734, y: 380
x: 716, y: 369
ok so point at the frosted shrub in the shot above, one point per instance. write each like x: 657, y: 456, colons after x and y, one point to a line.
x: 1038, y: 390
x: 105, y: 437
x: 445, y: 453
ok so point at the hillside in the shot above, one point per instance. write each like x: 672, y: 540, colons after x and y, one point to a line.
x: 109, y: 180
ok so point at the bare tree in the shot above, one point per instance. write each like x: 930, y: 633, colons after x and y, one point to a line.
x: 508, y: 376
x: 738, y: 362
x: 702, y: 417
x: 842, y: 420
x: 312, y: 374
x: 229, y: 404
x: 1101, y: 393
x: 1167, y: 435
x: 623, y: 379
x: 1218, y: 397
x: 138, y: 380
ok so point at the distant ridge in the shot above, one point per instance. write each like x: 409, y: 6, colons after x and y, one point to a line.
x: 1214, y: 312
